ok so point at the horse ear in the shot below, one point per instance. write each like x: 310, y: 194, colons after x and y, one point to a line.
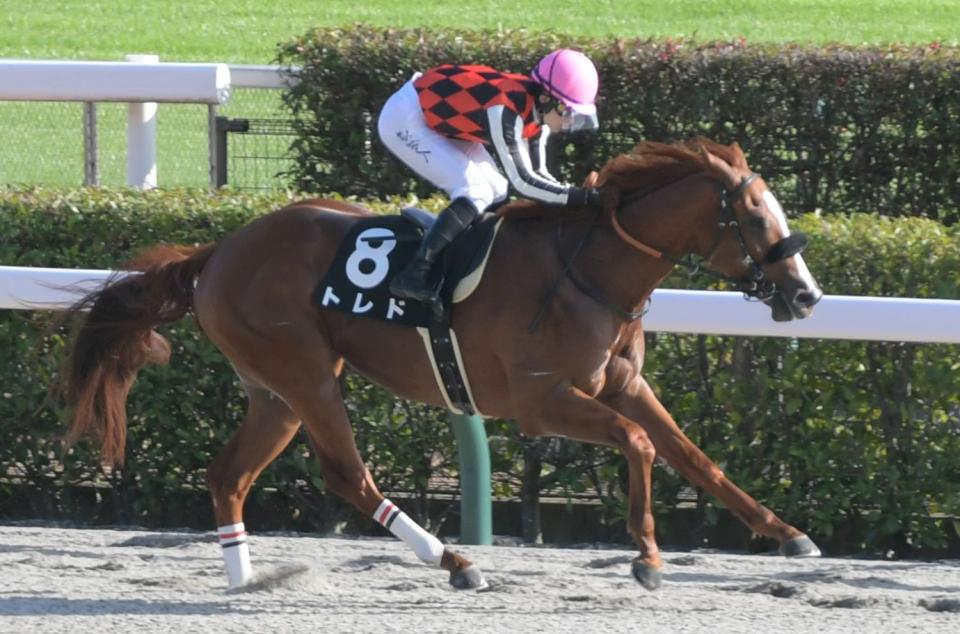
x: 739, y: 158
x: 719, y: 169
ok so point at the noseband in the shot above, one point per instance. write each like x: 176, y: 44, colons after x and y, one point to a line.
x: 755, y: 284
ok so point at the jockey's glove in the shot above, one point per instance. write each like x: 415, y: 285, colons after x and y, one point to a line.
x: 585, y: 197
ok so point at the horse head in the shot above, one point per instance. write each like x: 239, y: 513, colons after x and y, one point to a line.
x: 757, y: 247
x: 720, y: 210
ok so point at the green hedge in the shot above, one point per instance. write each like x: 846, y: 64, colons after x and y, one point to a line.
x: 838, y: 128
x: 856, y: 442
x: 182, y: 414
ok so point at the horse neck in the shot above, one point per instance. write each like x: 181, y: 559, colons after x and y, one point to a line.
x: 676, y: 220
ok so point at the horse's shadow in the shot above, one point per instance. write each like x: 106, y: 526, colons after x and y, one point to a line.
x: 367, y: 562
x: 871, y: 582
x: 46, y: 606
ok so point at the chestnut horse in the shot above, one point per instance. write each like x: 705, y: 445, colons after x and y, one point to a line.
x: 582, y: 276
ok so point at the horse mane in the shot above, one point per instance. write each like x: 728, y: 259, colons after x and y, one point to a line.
x: 648, y: 167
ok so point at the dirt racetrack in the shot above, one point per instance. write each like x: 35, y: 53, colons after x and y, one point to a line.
x: 67, y: 580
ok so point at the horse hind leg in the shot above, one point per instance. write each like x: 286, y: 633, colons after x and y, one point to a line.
x: 328, y: 427
x: 267, y: 428
x: 273, y: 338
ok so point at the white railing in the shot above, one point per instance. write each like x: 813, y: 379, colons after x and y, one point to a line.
x: 263, y: 76
x: 702, y: 312
x: 142, y: 81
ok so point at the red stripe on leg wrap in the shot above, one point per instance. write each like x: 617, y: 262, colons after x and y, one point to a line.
x: 386, y: 513
x: 232, y: 535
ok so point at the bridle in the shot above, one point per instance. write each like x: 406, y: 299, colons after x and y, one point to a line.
x: 755, y: 284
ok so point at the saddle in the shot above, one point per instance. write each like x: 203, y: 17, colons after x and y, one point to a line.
x: 377, y: 248
x: 463, y: 262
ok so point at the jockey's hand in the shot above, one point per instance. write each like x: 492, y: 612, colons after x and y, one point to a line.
x: 585, y: 197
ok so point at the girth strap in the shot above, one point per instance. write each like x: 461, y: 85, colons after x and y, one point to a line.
x: 444, y: 351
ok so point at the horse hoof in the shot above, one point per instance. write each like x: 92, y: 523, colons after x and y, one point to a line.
x: 800, y: 546
x: 469, y: 578
x: 649, y: 577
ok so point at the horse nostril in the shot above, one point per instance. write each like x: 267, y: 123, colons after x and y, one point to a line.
x: 807, y: 298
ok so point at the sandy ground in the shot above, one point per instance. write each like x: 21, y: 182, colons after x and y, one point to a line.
x: 66, y: 580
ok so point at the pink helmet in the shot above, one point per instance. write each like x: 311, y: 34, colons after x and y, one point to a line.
x: 571, y: 77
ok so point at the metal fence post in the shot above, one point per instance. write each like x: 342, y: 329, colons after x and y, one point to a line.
x: 221, y: 128
x: 213, y: 139
x: 91, y: 164
x: 476, y: 504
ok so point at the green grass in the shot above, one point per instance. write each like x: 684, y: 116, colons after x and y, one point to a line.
x: 248, y: 31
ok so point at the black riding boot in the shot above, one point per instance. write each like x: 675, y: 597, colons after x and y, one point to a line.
x: 412, y: 282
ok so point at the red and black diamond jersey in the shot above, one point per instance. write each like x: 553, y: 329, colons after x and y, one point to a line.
x: 455, y: 98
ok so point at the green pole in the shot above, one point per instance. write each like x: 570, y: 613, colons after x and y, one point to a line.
x: 476, y: 505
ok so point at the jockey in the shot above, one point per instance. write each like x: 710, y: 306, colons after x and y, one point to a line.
x: 440, y: 121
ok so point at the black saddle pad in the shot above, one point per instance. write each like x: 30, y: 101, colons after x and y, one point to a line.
x: 377, y: 248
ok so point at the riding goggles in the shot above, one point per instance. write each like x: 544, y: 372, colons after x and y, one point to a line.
x: 571, y: 121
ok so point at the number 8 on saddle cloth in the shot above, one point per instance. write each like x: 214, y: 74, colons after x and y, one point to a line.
x: 377, y: 248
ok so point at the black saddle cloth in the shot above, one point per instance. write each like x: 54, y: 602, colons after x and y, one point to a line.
x: 377, y: 248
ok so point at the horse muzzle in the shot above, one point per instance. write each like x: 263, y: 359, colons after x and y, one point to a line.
x: 791, y: 301
x: 798, y: 304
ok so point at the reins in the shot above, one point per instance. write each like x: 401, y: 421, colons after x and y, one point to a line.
x: 590, y: 291
x: 755, y: 285
x: 727, y: 219
x: 567, y: 264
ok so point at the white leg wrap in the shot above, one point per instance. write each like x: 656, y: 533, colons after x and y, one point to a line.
x: 426, y: 547
x: 236, y: 554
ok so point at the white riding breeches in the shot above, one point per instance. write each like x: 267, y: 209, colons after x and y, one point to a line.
x: 460, y: 168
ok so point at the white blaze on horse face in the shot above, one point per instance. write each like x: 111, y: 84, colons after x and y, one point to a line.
x: 774, y: 206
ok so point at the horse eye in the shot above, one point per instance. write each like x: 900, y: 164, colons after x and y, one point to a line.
x: 757, y: 223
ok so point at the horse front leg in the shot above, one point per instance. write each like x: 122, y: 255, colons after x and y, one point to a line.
x: 571, y: 413
x: 639, y: 403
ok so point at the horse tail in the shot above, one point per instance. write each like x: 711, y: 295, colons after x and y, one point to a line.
x: 117, y: 338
